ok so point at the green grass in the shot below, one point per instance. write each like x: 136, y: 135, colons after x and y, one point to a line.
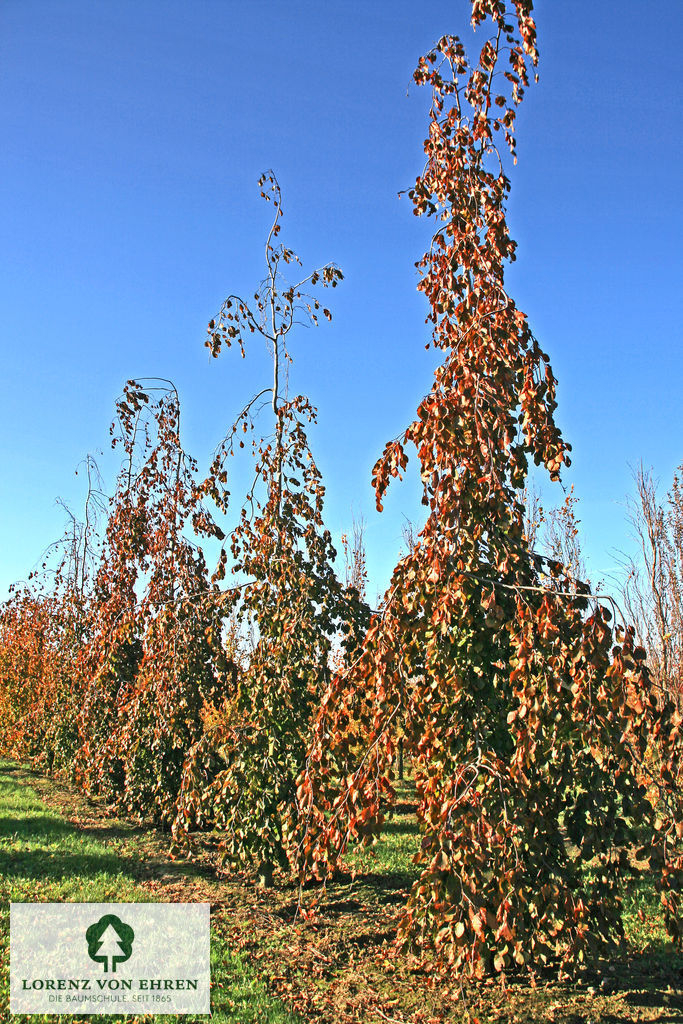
x: 393, y: 851
x: 43, y: 858
x: 336, y: 961
x: 645, y: 933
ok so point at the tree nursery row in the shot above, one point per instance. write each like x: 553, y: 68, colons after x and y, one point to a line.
x: 261, y: 698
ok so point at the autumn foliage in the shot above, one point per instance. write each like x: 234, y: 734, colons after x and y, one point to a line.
x: 291, y: 599
x: 261, y: 699
x: 154, y: 640
x: 526, y: 715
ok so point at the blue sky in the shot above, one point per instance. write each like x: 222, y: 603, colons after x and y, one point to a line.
x: 133, y: 137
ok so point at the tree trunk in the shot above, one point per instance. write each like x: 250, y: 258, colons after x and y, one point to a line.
x: 265, y: 874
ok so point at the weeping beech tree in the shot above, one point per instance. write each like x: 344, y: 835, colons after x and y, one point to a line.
x: 40, y: 634
x: 152, y: 657
x: 245, y: 767
x: 43, y: 626
x: 525, y: 715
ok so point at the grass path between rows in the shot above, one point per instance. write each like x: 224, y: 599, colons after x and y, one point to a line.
x: 45, y: 858
x: 341, y: 966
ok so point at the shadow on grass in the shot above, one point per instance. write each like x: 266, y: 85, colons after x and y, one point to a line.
x: 30, y: 827
x: 387, y: 888
x: 114, y: 831
x: 401, y: 807
x: 57, y: 866
x: 400, y: 828
x: 648, y: 980
x: 44, y: 846
x: 652, y: 979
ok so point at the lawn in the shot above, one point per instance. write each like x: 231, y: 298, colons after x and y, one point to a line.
x: 270, y: 967
x: 44, y: 857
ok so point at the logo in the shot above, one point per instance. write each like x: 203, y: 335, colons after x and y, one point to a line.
x: 133, y: 959
x: 110, y: 941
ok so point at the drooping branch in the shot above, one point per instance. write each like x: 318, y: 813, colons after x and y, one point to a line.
x: 503, y: 666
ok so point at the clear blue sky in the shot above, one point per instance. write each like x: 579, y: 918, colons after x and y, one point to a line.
x: 133, y: 134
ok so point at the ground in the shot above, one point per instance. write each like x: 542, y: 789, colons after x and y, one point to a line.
x: 341, y: 967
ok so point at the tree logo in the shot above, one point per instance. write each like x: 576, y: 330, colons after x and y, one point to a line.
x: 110, y: 941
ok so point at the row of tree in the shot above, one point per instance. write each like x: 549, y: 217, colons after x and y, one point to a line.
x: 541, y: 751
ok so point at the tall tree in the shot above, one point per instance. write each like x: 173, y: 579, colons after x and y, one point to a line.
x: 43, y: 626
x: 290, y: 593
x: 653, y: 588
x: 523, y: 724
x: 153, y: 651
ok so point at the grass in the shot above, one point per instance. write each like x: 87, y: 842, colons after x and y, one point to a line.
x: 337, y: 967
x: 44, y: 858
x: 393, y: 851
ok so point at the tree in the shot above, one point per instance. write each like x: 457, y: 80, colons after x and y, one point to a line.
x: 110, y: 941
x: 25, y: 648
x: 43, y: 625
x: 109, y: 949
x: 152, y: 658
x: 524, y: 723
x: 555, y: 531
x: 355, y: 567
x: 291, y: 594
x: 653, y: 589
